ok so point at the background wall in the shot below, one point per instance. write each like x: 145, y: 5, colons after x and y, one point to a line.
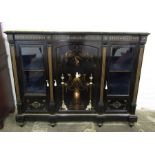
x: 95, y: 15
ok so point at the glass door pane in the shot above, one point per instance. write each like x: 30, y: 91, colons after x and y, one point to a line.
x: 34, y: 82
x: 121, y: 59
x: 119, y: 70
x: 32, y: 57
x: 118, y: 83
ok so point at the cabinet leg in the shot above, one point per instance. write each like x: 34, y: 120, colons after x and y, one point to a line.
x: 131, y: 124
x: 20, y: 120
x: 100, y: 121
x: 53, y: 124
x: 1, y: 124
x: 52, y: 121
x: 132, y: 120
x: 100, y: 124
x: 21, y: 124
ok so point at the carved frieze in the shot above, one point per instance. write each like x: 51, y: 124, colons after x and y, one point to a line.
x: 64, y: 37
x: 120, y: 38
x: 77, y: 37
x: 32, y: 37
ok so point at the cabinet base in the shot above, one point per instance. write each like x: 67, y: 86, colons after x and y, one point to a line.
x: 99, y: 119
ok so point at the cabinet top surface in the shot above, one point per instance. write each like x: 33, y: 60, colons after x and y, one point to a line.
x: 77, y: 33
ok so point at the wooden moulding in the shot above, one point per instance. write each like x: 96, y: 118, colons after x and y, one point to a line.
x: 13, y: 58
x: 50, y: 73
x: 138, y: 72
x: 103, y: 74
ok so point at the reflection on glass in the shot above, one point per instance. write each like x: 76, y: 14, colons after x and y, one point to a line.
x: 34, y: 82
x: 121, y: 58
x: 32, y: 57
x: 118, y: 83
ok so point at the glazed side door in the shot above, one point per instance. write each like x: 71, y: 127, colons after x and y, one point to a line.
x: 32, y: 72
x: 120, y: 75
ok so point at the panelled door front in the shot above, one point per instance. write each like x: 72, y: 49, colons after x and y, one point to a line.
x: 32, y: 68
x: 76, y: 75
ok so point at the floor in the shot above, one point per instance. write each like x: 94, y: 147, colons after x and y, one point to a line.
x: 146, y: 123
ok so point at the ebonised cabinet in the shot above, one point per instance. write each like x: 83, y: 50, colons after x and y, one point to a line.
x: 85, y: 76
x: 6, y: 95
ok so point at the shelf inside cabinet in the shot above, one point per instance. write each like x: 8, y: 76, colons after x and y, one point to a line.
x: 34, y: 70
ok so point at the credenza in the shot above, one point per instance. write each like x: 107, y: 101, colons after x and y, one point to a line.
x: 76, y: 76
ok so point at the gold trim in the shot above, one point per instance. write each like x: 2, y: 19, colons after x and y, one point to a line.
x: 140, y: 60
x: 14, y: 65
x: 50, y: 73
x: 103, y: 73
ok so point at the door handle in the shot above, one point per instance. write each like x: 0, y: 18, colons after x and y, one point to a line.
x: 47, y: 83
x: 55, y: 83
x: 106, y: 86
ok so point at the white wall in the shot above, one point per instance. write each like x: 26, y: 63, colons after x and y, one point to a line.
x: 91, y: 15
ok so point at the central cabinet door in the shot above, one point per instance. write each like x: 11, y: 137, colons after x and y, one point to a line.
x: 76, y: 76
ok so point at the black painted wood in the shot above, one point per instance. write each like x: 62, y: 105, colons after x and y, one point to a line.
x: 76, y: 60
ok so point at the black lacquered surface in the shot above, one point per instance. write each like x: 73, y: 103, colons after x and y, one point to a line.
x: 69, y: 53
